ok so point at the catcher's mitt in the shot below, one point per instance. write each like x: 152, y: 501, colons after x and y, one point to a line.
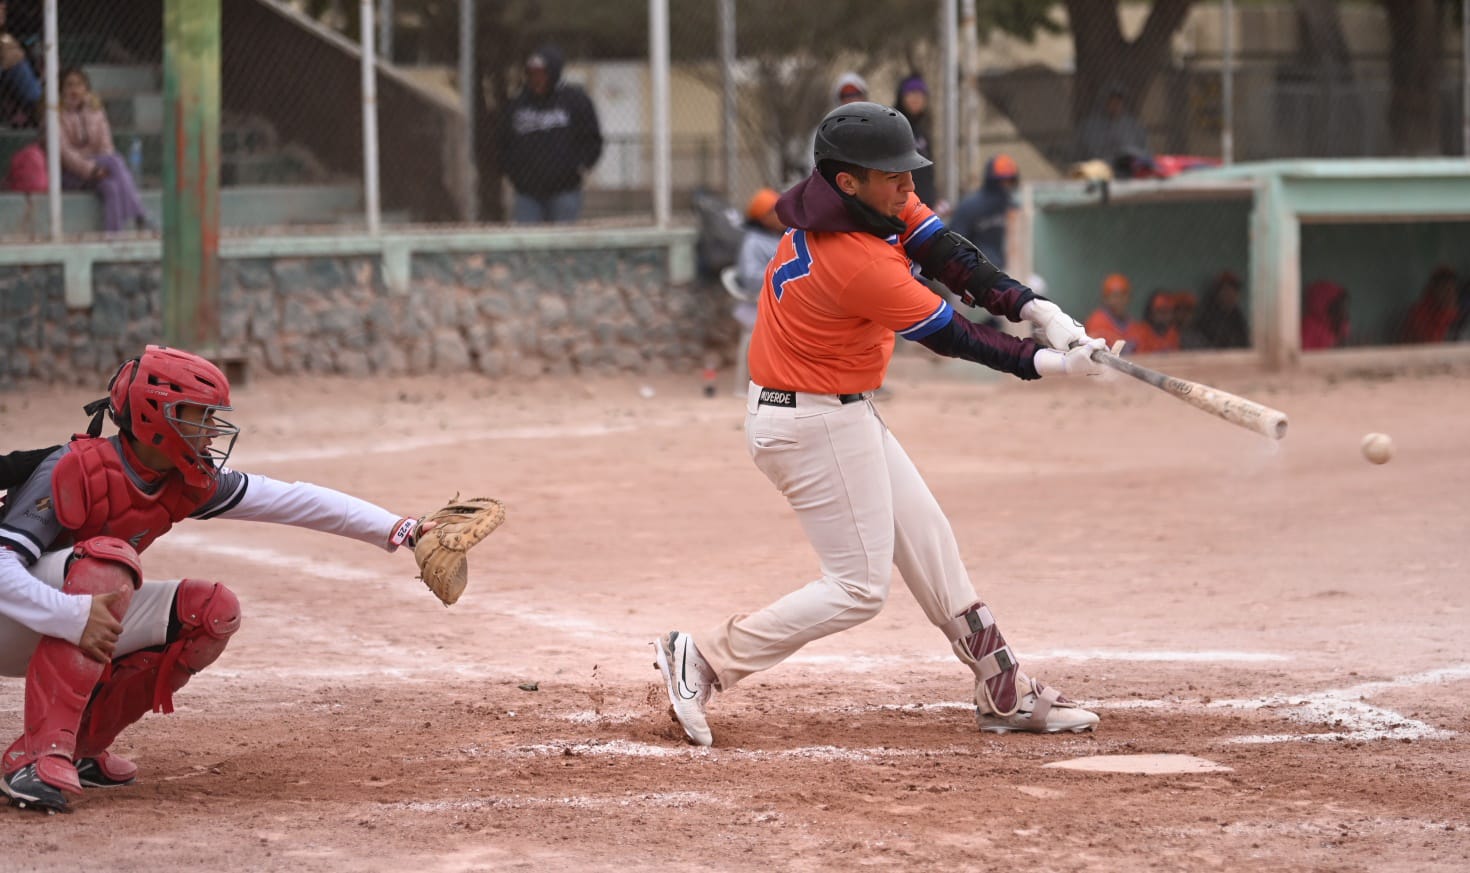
x: 440, y: 550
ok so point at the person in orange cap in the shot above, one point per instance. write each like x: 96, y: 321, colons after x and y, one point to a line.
x: 987, y: 216
x: 1110, y: 322
x: 762, y: 234
x: 1155, y: 332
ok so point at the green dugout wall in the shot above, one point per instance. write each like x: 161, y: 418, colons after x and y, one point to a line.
x: 1378, y: 227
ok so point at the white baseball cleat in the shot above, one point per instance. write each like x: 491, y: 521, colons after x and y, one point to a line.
x: 1041, y: 710
x: 689, y: 682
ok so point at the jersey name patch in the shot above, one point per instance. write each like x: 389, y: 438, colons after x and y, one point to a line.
x: 772, y: 397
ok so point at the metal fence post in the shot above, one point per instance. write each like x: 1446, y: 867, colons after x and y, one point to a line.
x: 191, y: 85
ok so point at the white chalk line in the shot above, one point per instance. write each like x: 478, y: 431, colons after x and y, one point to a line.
x: 631, y: 749
x: 296, y: 563
x: 859, y: 663
x: 667, y: 799
x: 1341, y: 708
x: 411, y: 444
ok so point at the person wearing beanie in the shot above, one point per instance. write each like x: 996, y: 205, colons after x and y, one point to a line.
x: 913, y: 102
x: 849, y: 88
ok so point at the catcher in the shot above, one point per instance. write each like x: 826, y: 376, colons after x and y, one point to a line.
x: 98, y: 644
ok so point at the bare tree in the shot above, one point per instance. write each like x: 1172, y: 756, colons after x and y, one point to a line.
x: 1416, y: 62
x: 1105, y: 57
x: 1332, y: 117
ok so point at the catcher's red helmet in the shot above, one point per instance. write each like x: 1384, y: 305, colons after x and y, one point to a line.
x: 144, y: 399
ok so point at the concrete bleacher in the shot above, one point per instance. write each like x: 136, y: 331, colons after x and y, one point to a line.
x: 262, y: 181
x: 26, y: 217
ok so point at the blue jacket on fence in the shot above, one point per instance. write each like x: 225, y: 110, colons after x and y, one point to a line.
x: 548, y: 142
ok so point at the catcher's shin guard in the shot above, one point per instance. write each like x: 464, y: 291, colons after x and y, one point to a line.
x: 208, y: 614
x: 60, y: 676
x: 978, y: 643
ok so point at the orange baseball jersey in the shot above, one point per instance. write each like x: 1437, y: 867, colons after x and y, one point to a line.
x: 832, y: 303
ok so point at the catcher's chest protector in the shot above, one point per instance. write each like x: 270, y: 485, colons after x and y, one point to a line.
x: 95, y: 496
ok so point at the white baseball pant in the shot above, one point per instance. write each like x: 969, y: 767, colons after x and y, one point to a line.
x: 865, y: 509
x: 144, y: 625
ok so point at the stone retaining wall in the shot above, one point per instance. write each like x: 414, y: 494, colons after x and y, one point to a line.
x: 499, y: 312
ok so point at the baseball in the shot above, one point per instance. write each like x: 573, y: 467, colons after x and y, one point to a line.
x: 1377, y: 447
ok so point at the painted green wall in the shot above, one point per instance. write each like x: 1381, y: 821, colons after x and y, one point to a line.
x: 1180, y: 246
x: 1383, y: 267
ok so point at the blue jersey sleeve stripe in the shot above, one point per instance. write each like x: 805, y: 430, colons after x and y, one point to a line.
x: 923, y: 232
x: 934, y: 322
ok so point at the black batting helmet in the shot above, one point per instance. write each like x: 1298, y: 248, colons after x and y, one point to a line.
x: 868, y: 135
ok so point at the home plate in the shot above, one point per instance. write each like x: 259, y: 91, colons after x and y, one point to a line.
x: 1141, y: 764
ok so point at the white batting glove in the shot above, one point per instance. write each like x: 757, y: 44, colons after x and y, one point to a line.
x: 1076, y: 361
x: 1057, y: 328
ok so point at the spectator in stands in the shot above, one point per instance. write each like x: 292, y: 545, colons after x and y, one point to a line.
x: 27, y: 175
x: 1186, y: 305
x: 27, y: 171
x: 549, y: 140
x: 1110, y: 320
x: 1460, y: 330
x: 849, y: 88
x: 1219, y: 320
x: 987, y: 216
x: 913, y: 101
x: 1156, y: 331
x: 763, y: 232
x: 1435, y: 313
x: 88, y: 160
x: 1111, y: 131
x: 1324, y: 315
x: 20, y: 88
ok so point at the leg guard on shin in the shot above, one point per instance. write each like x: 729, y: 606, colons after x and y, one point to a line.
x: 1005, y: 698
x: 208, y: 614
x: 978, y: 643
x: 60, y: 677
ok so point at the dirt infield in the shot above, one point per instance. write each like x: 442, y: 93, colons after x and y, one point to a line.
x: 1288, y: 611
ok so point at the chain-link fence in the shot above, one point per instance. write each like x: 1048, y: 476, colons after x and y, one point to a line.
x: 564, y: 114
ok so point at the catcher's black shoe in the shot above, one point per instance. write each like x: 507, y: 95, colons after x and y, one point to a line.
x: 106, y: 771
x: 26, y: 790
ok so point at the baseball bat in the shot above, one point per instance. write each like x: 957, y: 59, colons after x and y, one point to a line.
x: 1222, y: 404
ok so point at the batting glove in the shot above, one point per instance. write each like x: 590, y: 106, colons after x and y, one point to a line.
x: 1073, y: 362
x: 1057, y: 328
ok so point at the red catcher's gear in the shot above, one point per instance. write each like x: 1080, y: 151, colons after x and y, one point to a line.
x: 208, y: 614
x: 60, y: 677
x: 143, y: 400
x: 94, y: 496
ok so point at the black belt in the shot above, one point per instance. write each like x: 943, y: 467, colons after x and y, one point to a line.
x: 787, y: 399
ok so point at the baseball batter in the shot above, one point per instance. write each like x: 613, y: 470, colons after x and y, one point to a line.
x: 839, y: 289
x: 99, y: 645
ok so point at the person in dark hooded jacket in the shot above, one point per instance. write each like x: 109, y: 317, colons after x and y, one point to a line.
x: 549, y: 139
x: 986, y: 215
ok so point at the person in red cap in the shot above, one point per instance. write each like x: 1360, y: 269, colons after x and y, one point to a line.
x: 100, y: 642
